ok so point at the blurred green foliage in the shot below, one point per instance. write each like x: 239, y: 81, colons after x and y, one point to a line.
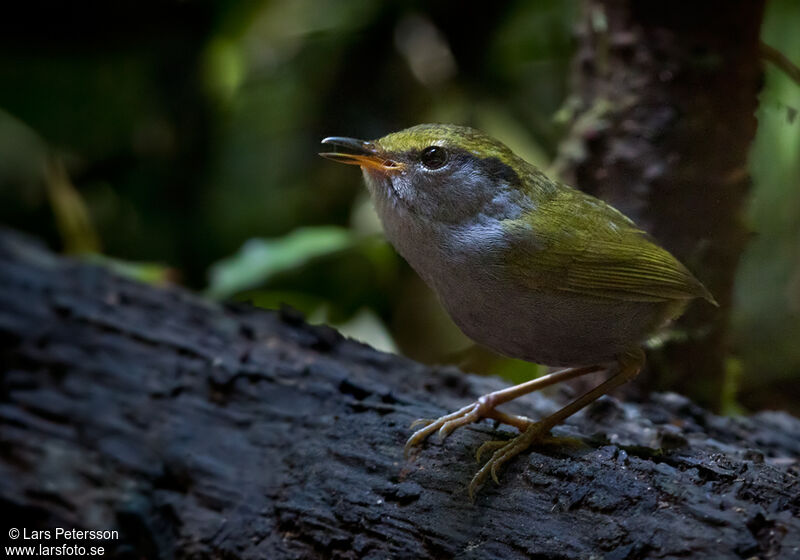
x: 767, y: 297
x: 260, y: 260
x: 180, y: 140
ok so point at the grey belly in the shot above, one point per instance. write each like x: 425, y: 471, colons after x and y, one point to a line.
x: 546, y: 327
x: 555, y: 328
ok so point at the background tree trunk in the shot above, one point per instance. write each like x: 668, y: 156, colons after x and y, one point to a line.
x: 202, y: 431
x: 664, y: 102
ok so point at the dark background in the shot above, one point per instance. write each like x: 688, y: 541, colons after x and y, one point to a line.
x: 176, y: 142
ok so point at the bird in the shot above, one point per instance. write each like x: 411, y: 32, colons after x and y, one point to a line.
x: 524, y: 264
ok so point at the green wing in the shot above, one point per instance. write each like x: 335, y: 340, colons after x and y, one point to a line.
x: 576, y: 243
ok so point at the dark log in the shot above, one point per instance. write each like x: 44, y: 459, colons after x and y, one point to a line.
x: 207, y: 431
x: 664, y: 107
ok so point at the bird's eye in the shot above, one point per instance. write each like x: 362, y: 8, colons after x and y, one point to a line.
x: 433, y: 157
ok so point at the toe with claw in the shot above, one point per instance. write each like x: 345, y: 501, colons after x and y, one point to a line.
x: 445, y: 425
x: 503, y: 451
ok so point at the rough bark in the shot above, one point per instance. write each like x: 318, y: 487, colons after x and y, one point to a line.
x: 207, y: 431
x: 665, y: 96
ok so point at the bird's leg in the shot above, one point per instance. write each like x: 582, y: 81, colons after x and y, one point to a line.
x: 519, y: 422
x: 629, y: 365
x: 484, y: 407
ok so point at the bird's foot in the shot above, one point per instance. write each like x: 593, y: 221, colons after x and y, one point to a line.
x: 503, y: 451
x: 445, y: 425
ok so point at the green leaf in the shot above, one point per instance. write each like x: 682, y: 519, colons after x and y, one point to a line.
x: 365, y: 326
x: 148, y: 272
x: 259, y: 260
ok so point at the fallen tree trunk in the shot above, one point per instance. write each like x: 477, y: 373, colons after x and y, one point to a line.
x: 203, y: 431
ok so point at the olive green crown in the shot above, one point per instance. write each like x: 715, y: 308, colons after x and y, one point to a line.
x: 465, y: 138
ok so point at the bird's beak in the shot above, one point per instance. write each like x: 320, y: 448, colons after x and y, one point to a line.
x: 358, y: 152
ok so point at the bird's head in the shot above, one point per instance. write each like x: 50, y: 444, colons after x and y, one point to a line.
x: 439, y: 172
